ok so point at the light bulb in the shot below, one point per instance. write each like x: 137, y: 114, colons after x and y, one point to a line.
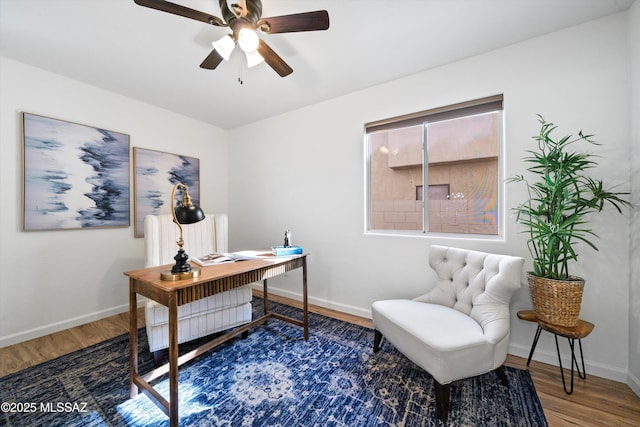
x: 248, y: 40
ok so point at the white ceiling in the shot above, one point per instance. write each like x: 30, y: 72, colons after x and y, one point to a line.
x: 154, y: 56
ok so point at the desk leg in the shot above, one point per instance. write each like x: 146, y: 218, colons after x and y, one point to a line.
x: 133, y: 339
x: 305, y: 303
x: 173, y: 361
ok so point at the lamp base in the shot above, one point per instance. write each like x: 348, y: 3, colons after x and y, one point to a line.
x: 181, y: 269
x: 171, y: 276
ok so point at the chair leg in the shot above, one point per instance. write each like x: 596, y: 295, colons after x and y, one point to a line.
x: 502, y: 375
x: 158, y: 357
x: 443, y: 395
x: 377, y: 339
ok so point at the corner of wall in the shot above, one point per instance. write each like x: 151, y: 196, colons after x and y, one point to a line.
x: 633, y: 377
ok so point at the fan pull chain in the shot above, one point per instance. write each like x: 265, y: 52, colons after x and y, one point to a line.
x: 240, y: 68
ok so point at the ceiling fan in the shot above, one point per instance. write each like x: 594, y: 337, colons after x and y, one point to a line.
x: 244, y: 17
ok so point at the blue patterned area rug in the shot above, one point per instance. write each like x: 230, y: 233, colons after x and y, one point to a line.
x: 271, y: 378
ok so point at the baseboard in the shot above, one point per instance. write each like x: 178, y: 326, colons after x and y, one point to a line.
x: 634, y: 383
x: 344, y: 308
x: 62, y: 325
x: 551, y: 358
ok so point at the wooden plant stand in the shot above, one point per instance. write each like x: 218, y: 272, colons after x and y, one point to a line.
x: 581, y: 330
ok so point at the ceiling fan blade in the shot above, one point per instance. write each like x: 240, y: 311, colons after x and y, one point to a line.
x: 307, y: 21
x: 176, y: 9
x: 274, y: 61
x: 212, y: 60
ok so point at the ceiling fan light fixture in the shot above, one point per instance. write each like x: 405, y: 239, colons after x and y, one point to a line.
x: 224, y: 46
x: 248, y: 40
x: 244, y: 18
x: 253, y: 58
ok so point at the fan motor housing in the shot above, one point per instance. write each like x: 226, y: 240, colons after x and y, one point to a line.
x: 253, y: 12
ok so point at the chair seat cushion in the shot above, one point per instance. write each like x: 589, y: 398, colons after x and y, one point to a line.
x: 157, y: 314
x: 445, y: 342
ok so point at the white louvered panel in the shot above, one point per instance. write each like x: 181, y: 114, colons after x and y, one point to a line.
x: 157, y: 314
x: 192, y: 328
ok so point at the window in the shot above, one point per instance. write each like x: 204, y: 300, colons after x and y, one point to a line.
x: 453, y: 153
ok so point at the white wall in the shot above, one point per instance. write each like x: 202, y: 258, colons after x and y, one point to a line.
x: 634, y: 285
x: 51, y: 280
x: 304, y: 171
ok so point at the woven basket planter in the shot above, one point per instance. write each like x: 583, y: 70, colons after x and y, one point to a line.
x: 556, y: 301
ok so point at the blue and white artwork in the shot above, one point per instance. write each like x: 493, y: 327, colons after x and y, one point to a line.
x: 75, y: 176
x: 156, y: 173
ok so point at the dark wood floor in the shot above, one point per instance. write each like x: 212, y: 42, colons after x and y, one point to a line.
x: 595, y: 402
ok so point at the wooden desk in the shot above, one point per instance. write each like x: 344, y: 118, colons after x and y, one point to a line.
x: 581, y: 330
x: 212, y: 280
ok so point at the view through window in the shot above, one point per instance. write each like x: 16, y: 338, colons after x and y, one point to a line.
x: 460, y: 147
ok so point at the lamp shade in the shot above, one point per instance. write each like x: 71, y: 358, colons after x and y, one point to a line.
x: 189, y: 214
x: 253, y: 58
x: 224, y: 46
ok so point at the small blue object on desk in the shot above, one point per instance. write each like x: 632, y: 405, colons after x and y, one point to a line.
x: 286, y: 250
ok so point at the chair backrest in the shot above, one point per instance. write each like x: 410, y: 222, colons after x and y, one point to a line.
x: 478, y: 284
x: 201, y: 238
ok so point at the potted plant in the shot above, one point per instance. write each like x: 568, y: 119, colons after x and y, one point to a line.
x: 560, y: 197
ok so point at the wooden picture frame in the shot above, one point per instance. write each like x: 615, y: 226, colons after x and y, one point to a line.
x: 156, y: 172
x: 74, y: 176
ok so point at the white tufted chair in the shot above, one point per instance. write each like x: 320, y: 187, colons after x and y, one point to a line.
x: 459, y: 329
x: 203, y: 317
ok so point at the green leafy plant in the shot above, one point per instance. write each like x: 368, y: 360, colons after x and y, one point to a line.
x: 560, y: 198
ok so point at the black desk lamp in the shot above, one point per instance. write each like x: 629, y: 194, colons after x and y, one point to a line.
x: 184, y: 213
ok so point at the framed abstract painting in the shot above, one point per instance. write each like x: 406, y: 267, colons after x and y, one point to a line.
x: 75, y: 176
x: 156, y: 173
